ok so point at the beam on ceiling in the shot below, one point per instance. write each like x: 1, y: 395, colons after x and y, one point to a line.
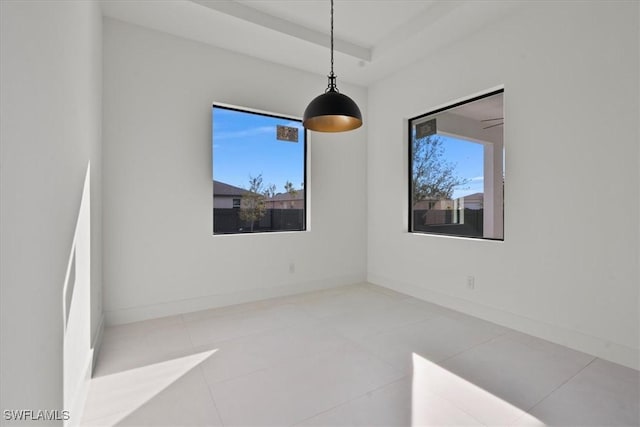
x: 246, y: 13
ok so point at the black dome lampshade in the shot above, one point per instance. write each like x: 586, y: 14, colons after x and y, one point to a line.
x: 332, y: 111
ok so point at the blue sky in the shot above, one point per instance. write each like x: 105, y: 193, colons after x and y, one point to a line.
x: 469, y: 160
x: 245, y: 145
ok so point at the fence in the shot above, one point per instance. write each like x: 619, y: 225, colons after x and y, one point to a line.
x: 442, y: 221
x: 228, y: 221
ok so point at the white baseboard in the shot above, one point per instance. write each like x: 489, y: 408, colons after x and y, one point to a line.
x: 134, y: 314
x: 598, y: 347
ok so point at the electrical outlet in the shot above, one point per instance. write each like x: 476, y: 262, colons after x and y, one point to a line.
x: 292, y: 267
x: 471, y: 282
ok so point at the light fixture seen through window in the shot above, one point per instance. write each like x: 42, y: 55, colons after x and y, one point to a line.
x: 332, y: 111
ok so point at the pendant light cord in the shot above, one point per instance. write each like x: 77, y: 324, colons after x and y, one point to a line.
x: 331, y: 111
x: 332, y: 37
x: 332, y: 77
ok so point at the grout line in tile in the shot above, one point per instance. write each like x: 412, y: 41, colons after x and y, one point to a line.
x: 560, y: 386
x: 455, y: 405
x: 204, y: 377
x: 283, y: 327
x: 323, y: 322
x: 439, y: 362
x: 213, y: 400
x: 189, y: 337
x: 283, y: 362
x: 409, y: 377
x: 269, y: 302
x: 386, y: 331
x: 244, y: 374
x: 249, y: 334
x: 286, y: 361
x: 476, y: 345
x: 115, y: 412
x: 350, y: 400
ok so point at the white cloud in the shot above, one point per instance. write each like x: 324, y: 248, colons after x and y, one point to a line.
x: 257, y: 131
x: 262, y: 130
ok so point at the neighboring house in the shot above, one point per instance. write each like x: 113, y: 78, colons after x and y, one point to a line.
x: 472, y: 201
x: 434, y: 204
x: 293, y: 200
x: 226, y: 196
x: 447, y: 211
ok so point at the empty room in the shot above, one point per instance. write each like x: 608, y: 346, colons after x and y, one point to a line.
x: 319, y: 213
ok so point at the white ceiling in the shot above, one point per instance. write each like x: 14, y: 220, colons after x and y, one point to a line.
x: 373, y: 38
x: 483, y: 109
x: 379, y: 20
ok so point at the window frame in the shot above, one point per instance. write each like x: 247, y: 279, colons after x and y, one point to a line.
x: 305, y: 171
x: 409, y: 151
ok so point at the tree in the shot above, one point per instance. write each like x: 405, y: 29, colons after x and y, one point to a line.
x: 288, y: 187
x: 433, y: 178
x: 270, y: 191
x: 252, y: 205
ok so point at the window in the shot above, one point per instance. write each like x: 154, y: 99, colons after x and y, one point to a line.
x: 259, y: 172
x: 456, y: 169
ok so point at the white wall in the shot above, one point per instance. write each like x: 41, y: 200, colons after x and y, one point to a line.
x: 160, y: 256
x: 568, y: 267
x: 50, y: 113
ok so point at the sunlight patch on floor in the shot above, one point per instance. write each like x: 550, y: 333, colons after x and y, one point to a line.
x: 118, y: 395
x: 440, y: 397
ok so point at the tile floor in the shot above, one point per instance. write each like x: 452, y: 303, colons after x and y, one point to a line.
x: 357, y: 355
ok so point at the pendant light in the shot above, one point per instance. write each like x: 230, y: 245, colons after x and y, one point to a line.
x: 332, y: 111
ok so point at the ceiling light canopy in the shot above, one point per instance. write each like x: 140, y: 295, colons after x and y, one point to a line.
x: 332, y: 111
